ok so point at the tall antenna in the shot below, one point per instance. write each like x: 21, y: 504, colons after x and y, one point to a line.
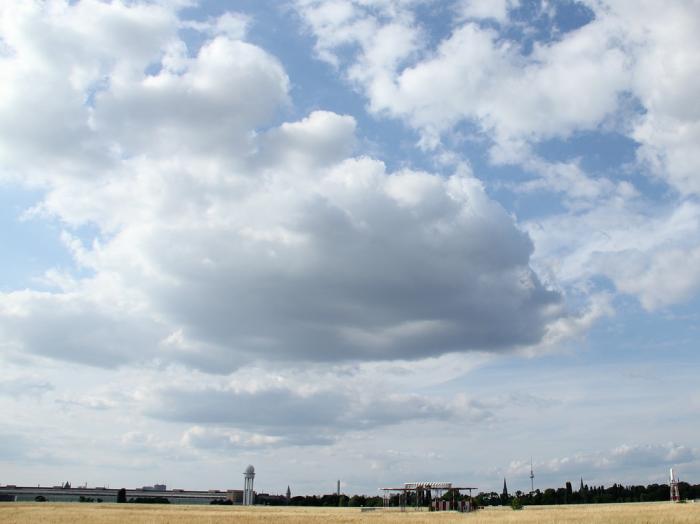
x: 532, y: 478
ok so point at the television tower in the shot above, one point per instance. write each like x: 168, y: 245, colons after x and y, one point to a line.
x: 532, y: 478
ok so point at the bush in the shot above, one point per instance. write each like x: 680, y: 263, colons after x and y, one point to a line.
x: 515, y: 504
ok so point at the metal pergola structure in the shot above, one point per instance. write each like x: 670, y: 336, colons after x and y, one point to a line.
x: 436, y: 490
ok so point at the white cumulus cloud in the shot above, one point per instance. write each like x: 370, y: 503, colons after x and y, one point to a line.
x: 222, y: 238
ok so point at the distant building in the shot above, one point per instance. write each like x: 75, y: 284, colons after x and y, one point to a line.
x: 155, y: 487
x: 11, y: 493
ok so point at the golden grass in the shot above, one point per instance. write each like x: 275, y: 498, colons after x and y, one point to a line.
x: 24, y: 513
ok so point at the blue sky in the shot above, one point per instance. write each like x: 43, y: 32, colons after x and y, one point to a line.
x: 377, y: 241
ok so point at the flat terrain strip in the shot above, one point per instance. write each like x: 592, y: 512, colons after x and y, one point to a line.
x: 75, y: 513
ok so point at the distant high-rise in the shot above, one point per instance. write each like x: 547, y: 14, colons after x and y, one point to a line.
x: 248, y: 494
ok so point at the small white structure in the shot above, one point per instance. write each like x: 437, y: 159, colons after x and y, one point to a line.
x: 675, y: 492
x: 248, y: 494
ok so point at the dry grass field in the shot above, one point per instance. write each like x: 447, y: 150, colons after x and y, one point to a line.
x: 21, y: 513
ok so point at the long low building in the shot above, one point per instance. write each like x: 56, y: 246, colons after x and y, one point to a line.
x: 60, y: 494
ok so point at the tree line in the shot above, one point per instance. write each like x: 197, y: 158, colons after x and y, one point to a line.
x: 617, y: 493
x: 590, y: 495
x: 564, y: 495
x: 335, y: 500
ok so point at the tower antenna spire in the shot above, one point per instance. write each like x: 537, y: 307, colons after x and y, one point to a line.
x: 532, y: 478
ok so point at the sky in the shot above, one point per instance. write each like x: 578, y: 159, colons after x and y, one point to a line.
x: 376, y: 241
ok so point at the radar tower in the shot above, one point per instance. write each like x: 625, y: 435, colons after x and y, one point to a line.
x: 248, y: 494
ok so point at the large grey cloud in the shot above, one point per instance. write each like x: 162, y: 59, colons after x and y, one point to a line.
x: 220, y: 241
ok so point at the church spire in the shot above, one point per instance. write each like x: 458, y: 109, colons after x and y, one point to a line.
x: 504, y: 496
